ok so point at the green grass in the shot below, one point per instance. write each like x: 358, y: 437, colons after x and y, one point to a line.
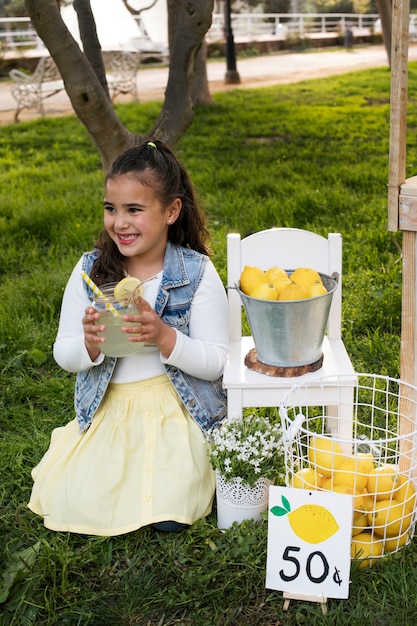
x: 312, y: 155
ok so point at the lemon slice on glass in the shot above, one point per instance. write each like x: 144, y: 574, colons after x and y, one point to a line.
x: 126, y: 288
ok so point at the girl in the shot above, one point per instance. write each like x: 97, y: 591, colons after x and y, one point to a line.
x: 136, y: 455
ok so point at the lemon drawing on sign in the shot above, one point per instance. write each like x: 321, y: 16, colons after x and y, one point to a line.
x: 310, y: 522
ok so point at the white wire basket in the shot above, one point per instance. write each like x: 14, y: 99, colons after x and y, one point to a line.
x: 357, y: 436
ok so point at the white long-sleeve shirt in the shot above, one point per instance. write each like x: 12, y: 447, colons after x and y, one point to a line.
x: 202, y: 354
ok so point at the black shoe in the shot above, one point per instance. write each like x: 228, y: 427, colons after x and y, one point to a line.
x: 170, y: 527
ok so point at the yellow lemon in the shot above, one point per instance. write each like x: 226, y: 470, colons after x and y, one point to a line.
x: 127, y: 288
x: 406, y: 493
x: 359, y: 523
x: 264, y: 291
x: 357, y: 499
x: 251, y: 277
x: 325, y: 454
x: 391, y: 545
x: 316, y: 289
x: 293, y: 291
x: 280, y: 283
x: 366, y: 549
x: 365, y: 462
x: 369, y: 501
x: 354, y: 471
x: 390, y: 518
x: 383, y: 481
x: 275, y: 274
x: 313, y: 523
x: 326, y: 483
x: 305, y: 276
x: 306, y: 478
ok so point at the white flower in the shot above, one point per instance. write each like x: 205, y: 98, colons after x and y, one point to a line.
x: 248, y: 448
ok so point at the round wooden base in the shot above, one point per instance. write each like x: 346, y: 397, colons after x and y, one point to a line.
x: 251, y: 361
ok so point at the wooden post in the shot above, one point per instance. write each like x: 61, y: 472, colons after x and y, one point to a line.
x: 398, y: 113
x: 402, y: 212
x: 408, y: 366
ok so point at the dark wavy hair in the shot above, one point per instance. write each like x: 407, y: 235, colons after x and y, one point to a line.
x: 153, y: 164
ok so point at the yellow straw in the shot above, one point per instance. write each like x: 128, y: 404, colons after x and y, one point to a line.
x: 99, y: 293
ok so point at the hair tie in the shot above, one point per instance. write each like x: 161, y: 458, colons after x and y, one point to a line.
x: 151, y: 144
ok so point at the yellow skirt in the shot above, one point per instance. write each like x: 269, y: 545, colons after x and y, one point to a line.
x: 143, y: 460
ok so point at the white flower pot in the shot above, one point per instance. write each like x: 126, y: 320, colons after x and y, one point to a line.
x: 237, y: 502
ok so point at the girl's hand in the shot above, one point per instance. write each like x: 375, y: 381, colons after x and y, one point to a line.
x: 151, y: 330
x: 92, y: 341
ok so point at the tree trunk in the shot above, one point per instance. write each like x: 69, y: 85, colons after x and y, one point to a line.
x: 187, y: 24
x: 87, y: 95
x: 200, y: 91
x: 385, y: 13
x: 89, y: 38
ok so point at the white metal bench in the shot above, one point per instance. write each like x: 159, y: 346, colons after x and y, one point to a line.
x: 30, y: 90
x: 121, y: 69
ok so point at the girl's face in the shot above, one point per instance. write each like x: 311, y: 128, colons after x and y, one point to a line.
x: 136, y: 220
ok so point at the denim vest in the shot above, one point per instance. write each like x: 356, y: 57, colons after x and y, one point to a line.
x: 204, y: 400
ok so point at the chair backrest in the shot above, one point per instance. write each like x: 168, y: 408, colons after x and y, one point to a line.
x: 50, y: 71
x: 123, y: 63
x: 288, y: 248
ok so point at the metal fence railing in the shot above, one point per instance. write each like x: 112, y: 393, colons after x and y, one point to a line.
x: 282, y: 25
x: 18, y: 32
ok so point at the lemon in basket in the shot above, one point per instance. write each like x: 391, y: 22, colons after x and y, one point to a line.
x: 366, y: 548
x: 359, y: 523
x: 391, y: 545
x: 305, y: 276
x: 306, y: 478
x: 383, y: 481
x: 357, y: 497
x: 406, y: 493
x: 251, y: 277
x: 390, y: 518
x: 280, y: 283
x: 278, y: 277
x: 293, y: 291
x: 354, y: 471
x: 325, y: 454
x: 276, y: 274
x: 264, y: 291
x: 316, y: 289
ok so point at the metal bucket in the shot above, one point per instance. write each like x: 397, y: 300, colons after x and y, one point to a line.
x: 290, y: 333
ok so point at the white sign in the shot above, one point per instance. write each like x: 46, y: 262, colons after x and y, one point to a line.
x: 309, y: 538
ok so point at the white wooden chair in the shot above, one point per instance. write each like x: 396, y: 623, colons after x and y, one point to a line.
x: 288, y: 248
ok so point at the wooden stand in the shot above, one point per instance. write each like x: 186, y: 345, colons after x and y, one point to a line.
x: 299, y: 596
x: 251, y: 362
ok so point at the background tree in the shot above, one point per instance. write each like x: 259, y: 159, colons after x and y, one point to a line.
x: 336, y: 6
x: 12, y: 8
x: 385, y: 13
x: 277, y: 6
x: 87, y: 92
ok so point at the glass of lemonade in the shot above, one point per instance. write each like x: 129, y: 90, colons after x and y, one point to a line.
x: 117, y: 342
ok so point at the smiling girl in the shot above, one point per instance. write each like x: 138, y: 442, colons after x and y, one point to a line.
x: 135, y: 455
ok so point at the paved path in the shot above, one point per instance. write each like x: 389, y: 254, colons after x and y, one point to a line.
x: 254, y: 72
